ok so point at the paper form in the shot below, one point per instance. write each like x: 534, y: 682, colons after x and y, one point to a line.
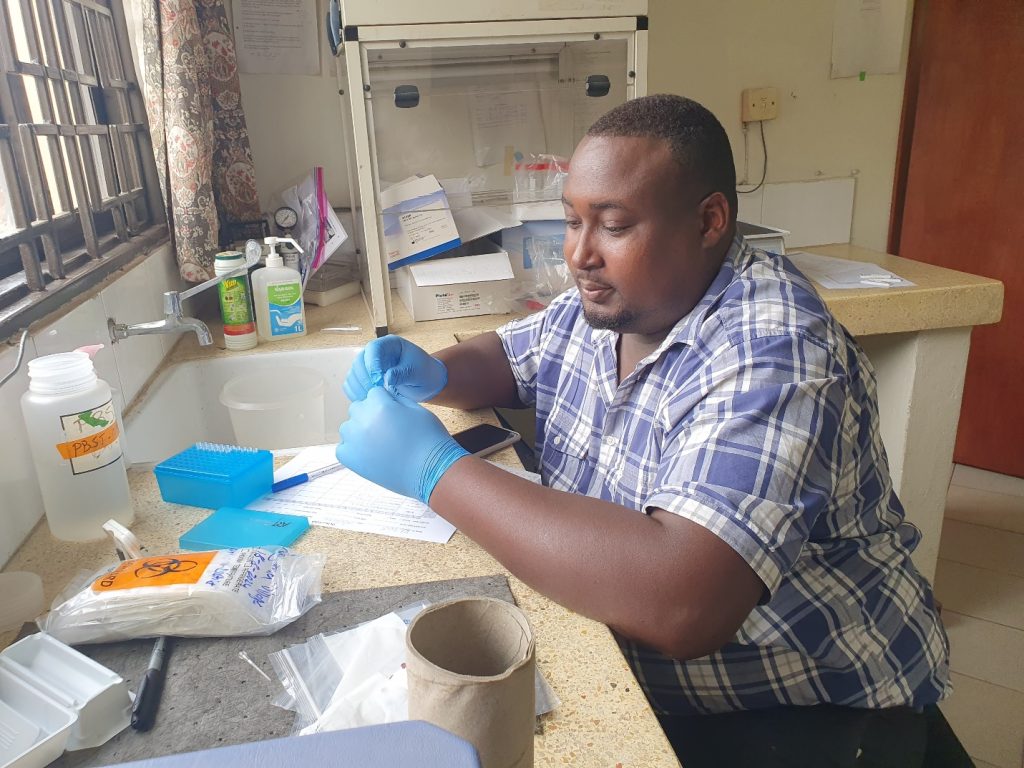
x: 347, y: 501
x: 276, y: 37
x: 844, y: 274
x: 867, y: 37
x: 506, y: 119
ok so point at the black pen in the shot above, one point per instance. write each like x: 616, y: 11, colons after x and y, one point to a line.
x: 147, y: 700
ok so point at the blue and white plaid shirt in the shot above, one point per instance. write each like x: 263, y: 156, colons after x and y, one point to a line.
x: 757, y: 419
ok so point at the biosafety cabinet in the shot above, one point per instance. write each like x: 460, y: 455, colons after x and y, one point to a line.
x: 460, y: 116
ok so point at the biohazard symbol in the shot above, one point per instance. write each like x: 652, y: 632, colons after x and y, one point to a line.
x: 162, y: 566
x: 161, y: 571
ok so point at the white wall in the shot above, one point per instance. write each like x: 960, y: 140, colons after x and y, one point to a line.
x: 706, y: 49
x: 710, y: 50
x: 134, y: 296
x: 294, y: 124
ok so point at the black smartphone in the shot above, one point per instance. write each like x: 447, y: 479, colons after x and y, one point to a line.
x: 485, y: 439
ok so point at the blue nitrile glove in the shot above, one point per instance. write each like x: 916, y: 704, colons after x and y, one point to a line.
x: 397, y: 365
x: 397, y: 443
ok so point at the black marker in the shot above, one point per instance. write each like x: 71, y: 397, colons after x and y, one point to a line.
x: 147, y: 700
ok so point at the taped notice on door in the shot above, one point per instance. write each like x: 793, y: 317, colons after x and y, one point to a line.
x: 92, y: 438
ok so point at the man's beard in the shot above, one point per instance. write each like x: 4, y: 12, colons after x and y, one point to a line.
x: 611, y: 322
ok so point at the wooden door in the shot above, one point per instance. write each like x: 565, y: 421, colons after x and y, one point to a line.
x: 958, y: 200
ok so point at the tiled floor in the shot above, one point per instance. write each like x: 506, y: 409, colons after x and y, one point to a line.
x: 980, y: 583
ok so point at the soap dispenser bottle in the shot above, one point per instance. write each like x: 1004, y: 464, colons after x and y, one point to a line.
x: 277, y: 294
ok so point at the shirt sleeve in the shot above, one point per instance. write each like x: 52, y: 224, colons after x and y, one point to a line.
x: 754, y: 449
x: 526, y: 339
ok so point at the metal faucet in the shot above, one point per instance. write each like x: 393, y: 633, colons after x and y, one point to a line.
x: 173, y: 321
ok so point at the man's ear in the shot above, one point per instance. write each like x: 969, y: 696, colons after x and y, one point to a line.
x: 715, y: 219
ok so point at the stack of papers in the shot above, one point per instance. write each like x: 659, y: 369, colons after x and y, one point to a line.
x: 843, y: 274
x: 345, y: 500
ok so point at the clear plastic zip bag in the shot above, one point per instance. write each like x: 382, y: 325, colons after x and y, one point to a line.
x: 220, y: 593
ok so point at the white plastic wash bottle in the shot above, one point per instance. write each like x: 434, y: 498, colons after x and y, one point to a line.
x: 75, y: 441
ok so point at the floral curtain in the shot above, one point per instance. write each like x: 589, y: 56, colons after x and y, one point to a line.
x: 198, y: 127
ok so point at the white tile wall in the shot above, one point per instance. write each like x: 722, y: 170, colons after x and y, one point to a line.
x: 814, y: 212
x: 136, y: 296
x: 20, y: 502
x: 134, y: 299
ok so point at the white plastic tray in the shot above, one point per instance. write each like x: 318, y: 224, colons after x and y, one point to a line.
x: 54, y: 698
x: 34, y: 729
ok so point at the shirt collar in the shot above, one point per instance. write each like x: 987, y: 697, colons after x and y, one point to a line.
x: 736, y: 260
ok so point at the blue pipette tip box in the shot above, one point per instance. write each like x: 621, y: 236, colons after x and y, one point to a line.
x: 212, y: 476
x: 232, y: 527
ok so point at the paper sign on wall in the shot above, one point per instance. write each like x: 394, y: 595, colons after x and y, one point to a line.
x: 276, y: 37
x: 867, y: 37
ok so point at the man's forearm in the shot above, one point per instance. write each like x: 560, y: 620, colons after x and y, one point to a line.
x: 479, y: 375
x: 663, y: 581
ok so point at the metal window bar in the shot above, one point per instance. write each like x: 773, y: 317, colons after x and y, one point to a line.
x: 76, y: 158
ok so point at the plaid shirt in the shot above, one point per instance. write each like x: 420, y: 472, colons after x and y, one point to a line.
x: 757, y: 419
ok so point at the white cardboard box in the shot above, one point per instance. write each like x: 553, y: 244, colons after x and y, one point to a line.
x: 475, y: 280
x: 417, y: 221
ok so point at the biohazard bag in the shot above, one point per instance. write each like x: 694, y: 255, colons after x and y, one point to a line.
x: 221, y: 593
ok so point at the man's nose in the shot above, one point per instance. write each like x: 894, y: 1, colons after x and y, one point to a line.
x: 580, y: 249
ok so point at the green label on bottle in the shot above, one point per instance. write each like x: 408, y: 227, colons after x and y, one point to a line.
x: 91, y: 438
x: 234, y: 302
x: 283, y: 294
x: 284, y: 304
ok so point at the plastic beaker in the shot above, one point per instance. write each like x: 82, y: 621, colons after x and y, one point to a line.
x: 276, y: 407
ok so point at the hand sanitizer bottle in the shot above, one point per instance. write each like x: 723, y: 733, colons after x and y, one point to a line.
x: 277, y: 294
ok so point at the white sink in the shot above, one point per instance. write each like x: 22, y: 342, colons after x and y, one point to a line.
x: 182, y: 405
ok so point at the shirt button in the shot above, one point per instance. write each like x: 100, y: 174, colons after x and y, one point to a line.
x: 609, y: 440
x: 558, y: 440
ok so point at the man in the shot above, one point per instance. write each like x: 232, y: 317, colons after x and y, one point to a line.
x: 715, y: 488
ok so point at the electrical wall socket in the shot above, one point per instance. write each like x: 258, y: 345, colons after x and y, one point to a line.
x: 759, y: 104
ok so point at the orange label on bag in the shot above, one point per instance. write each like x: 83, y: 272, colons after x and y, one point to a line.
x: 159, y: 571
x: 97, y: 441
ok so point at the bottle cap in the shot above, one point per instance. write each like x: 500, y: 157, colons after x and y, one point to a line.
x: 61, y: 373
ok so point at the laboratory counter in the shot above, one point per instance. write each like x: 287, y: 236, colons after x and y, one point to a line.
x: 603, y: 718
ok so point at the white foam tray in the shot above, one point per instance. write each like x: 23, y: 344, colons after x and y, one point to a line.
x: 54, y: 698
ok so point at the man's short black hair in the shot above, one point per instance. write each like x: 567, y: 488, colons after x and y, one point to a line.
x: 697, y: 140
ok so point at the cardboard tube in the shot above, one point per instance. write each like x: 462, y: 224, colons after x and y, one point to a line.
x: 471, y: 669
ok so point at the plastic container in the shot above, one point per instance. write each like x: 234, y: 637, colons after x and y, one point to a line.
x: 75, y: 441
x: 22, y: 601
x: 234, y: 528
x: 37, y: 727
x: 212, y: 476
x: 276, y: 408
x: 54, y: 698
x: 277, y: 296
x: 235, y: 302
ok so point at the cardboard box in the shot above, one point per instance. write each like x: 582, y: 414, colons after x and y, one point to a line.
x: 417, y: 221
x: 475, y: 280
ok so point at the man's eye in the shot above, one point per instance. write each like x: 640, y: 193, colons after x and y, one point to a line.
x: 614, y: 230
x: 572, y: 224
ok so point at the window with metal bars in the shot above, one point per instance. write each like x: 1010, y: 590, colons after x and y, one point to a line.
x: 79, y: 195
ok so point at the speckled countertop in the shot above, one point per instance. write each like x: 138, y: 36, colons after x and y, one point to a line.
x: 604, y: 719
x: 939, y: 298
